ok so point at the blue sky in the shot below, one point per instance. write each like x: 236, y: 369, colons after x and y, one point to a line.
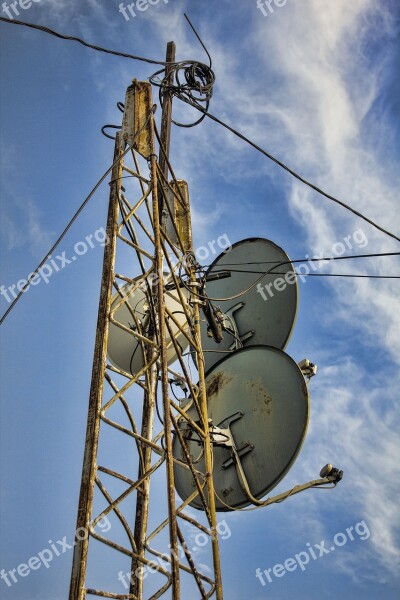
x: 316, y: 84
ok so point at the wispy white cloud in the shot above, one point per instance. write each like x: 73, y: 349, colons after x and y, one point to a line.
x: 21, y: 219
x: 324, y: 72
x: 356, y: 427
x: 321, y: 105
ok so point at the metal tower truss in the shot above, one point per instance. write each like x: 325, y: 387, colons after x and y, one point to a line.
x: 154, y: 544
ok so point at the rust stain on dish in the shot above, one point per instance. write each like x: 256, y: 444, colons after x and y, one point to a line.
x: 217, y: 382
x: 263, y: 397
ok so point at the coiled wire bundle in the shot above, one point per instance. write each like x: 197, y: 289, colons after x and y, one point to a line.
x: 193, y: 83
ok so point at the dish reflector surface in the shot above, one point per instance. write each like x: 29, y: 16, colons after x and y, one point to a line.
x: 267, y: 387
x: 124, y: 349
x: 266, y: 313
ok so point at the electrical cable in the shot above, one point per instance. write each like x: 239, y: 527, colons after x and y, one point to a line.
x: 83, y: 42
x: 200, y: 78
x: 289, y: 494
x: 205, y: 82
x: 182, y: 94
x: 352, y: 276
x: 301, y: 260
x: 197, y: 88
x: 60, y: 238
x: 297, y: 176
x: 199, y: 38
x: 121, y: 108
x: 345, y: 275
x: 205, y: 88
x: 158, y: 410
x: 280, y: 264
x: 69, y: 225
x: 103, y: 131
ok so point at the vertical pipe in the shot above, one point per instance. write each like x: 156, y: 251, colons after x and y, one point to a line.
x: 143, y: 494
x: 166, y: 118
x: 173, y: 531
x: 78, y: 575
x: 208, y: 448
x: 208, y: 456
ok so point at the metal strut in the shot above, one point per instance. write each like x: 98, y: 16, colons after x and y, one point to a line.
x: 128, y: 448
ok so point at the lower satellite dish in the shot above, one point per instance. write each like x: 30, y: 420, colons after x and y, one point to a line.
x: 124, y: 349
x: 266, y: 313
x: 259, y: 398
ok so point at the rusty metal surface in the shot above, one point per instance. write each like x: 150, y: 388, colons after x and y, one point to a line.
x: 138, y: 103
x: 96, y: 391
x: 216, y: 383
x: 173, y: 530
x: 178, y: 226
x: 265, y: 388
x: 139, y: 230
x: 166, y: 213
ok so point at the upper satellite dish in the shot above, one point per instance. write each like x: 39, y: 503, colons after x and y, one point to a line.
x: 266, y: 313
x: 124, y: 349
x: 258, y: 397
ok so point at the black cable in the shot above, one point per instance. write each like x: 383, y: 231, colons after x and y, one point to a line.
x: 158, y: 411
x: 303, y: 260
x: 181, y: 93
x: 201, y: 78
x: 60, y: 238
x: 121, y: 108
x: 197, y: 87
x: 281, y: 264
x: 296, y: 175
x: 349, y: 275
x: 80, y: 41
x: 199, y: 38
x: 80, y: 209
x: 103, y: 130
x: 174, y: 395
x: 319, y: 274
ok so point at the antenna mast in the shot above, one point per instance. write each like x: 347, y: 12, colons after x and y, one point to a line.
x: 148, y: 270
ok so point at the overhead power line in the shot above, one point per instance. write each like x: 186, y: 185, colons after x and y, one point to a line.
x: 272, y: 271
x: 58, y: 241
x: 196, y: 104
x: 299, y: 177
x: 76, y: 215
x: 307, y: 259
x: 350, y: 275
x: 81, y: 41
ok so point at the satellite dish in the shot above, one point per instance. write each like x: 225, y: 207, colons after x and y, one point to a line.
x: 124, y: 349
x: 266, y: 313
x: 259, y: 397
